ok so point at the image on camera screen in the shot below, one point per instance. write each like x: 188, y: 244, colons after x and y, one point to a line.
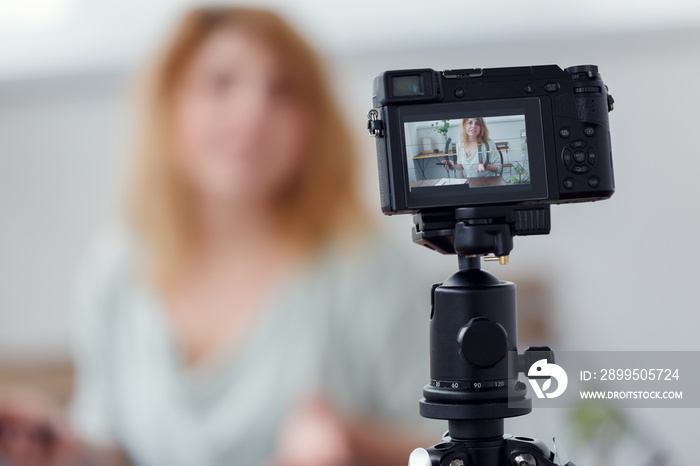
x: 476, y: 151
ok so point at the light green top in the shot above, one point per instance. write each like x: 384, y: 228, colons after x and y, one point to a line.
x: 352, y: 325
x: 486, y: 153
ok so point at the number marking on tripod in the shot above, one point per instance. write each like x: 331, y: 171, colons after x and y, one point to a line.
x: 469, y: 385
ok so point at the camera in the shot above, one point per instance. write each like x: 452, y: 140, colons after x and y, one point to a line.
x: 492, y: 136
x: 479, y: 156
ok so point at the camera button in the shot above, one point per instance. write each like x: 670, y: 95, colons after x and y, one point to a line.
x: 565, y: 132
x: 569, y: 183
x: 589, y: 131
x: 580, y: 169
x: 566, y: 156
x: 579, y: 156
x: 591, y: 156
x: 578, y: 144
x: 459, y: 92
x: 551, y: 87
x: 529, y: 88
x: 593, y: 181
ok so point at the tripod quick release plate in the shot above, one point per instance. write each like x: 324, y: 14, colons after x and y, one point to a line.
x: 479, y: 230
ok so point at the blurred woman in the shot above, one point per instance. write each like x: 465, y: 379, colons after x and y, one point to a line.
x: 239, y: 317
x: 476, y: 153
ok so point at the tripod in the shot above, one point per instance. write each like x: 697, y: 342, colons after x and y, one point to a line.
x: 474, y: 363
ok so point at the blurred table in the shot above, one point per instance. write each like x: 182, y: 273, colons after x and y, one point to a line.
x: 482, y: 181
x: 423, y: 160
x: 476, y: 182
x: 54, y: 380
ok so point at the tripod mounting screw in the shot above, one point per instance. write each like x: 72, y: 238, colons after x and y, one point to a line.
x: 503, y: 260
x: 524, y: 459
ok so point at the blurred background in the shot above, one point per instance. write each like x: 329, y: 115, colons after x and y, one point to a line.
x: 616, y: 275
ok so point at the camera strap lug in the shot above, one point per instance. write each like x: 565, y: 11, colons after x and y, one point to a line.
x: 374, y: 124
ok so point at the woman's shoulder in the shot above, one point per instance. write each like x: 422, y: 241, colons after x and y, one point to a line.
x: 374, y: 274
x: 107, y: 262
x: 374, y: 254
x: 111, y: 248
x: 488, y: 146
x: 102, y: 279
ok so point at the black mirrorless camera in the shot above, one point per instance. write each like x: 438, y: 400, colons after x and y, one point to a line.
x: 477, y: 137
x: 478, y: 155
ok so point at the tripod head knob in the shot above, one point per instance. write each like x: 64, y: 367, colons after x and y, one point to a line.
x: 533, y: 354
x: 419, y: 457
x: 524, y: 459
x: 483, y: 342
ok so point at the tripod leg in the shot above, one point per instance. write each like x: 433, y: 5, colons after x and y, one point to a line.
x: 506, y: 451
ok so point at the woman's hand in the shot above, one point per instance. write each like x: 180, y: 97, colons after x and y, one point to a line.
x: 481, y: 168
x: 34, y: 432
x: 314, y: 436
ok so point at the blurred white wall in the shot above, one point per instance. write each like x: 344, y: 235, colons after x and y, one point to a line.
x: 59, y: 143
x: 623, y: 271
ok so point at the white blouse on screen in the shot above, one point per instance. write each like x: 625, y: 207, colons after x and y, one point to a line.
x: 487, y: 153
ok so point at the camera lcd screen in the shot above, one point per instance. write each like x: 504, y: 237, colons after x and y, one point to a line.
x: 479, y: 151
x: 473, y: 152
x: 406, y: 86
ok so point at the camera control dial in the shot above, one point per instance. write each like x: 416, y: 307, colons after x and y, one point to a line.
x: 590, y: 70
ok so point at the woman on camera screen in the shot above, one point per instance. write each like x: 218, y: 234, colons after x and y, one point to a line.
x: 476, y: 153
x: 242, y: 313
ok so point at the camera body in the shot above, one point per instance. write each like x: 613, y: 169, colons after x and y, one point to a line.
x: 498, y: 136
